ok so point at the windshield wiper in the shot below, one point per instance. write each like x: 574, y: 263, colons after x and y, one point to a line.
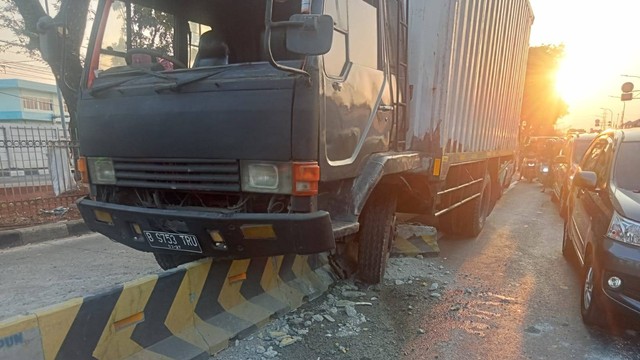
x: 102, y: 87
x: 180, y: 83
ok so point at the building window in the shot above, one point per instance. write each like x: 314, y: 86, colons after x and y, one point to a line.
x: 33, y: 103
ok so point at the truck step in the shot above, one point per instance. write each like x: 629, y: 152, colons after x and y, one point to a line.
x: 344, y: 228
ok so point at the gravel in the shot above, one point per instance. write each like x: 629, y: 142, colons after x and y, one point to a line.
x: 340, y: 325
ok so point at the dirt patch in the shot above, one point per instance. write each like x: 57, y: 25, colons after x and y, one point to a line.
x: 39, y: 210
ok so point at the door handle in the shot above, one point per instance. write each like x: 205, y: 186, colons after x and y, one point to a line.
x: 385, y: 108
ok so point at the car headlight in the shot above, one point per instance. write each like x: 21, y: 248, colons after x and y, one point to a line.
x: 624, y: 230
x: 545, y: 169
x: 266, y: 177
x: 531, y: 164
x: 101, y: 171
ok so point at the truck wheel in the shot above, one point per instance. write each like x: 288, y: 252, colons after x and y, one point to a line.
x: 447, y: 223
x: 476, y: 211
x: 376, y: 235
x: 170, y: 261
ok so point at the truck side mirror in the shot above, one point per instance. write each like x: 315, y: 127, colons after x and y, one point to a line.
x: 310, y: 34
x: 51, y: 38
x: 586, y: 180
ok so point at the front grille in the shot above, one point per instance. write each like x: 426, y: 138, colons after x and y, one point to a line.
x: 200, y: 175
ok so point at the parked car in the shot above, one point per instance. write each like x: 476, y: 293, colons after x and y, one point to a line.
x: 565, y: 166
x: 603, y: 225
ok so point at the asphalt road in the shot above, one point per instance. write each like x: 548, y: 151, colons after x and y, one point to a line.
x: 531, y: 294
x: 44, y: 274
x: 508, y: 294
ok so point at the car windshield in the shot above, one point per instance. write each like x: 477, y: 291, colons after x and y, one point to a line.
x: 580, y: 147
x: 627, y: 172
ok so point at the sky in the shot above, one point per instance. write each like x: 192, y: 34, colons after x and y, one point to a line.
x: 600, y: 37
x: 600, y: 45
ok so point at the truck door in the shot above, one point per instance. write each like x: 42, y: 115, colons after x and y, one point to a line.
x: 357, y: 104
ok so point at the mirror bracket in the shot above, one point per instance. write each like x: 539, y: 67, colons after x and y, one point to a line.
x: 269, y: 23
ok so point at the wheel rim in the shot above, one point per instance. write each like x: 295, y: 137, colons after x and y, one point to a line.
x: 588, y: 289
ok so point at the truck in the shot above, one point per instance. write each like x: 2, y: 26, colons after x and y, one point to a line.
x: 257, y: 128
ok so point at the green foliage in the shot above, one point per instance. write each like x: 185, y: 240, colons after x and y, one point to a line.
x: 21, y: 17
x: 542, y: 106
x: 151, y: 29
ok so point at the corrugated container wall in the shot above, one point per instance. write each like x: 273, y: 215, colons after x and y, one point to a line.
x: 467, y: 63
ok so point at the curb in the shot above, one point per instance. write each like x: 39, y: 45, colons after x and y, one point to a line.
x: 41, y: 233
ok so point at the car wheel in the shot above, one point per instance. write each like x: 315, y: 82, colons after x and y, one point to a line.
x: 591, y: 308
x: 567, y: 247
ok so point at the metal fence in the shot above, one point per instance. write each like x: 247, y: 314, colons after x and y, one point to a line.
x: 37, y: 176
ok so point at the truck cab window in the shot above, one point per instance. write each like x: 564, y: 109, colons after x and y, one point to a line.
x: 336, y: 58
x: 133, y: 26
x: 196, y: 30
x: 363, y: 33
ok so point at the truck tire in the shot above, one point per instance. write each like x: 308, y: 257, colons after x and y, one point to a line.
x: 476, y: 212
x: 376, y: 235
x: 170, y: 261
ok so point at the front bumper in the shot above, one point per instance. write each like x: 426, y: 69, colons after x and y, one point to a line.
x: 307, y: 233
x: 614, y: 258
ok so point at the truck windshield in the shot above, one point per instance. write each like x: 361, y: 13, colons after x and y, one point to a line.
x: 168, y: 35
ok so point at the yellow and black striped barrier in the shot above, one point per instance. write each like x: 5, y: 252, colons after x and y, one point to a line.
x: 412, y: 240
x: 186, y: 313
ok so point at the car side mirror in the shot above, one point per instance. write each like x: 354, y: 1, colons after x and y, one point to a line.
x: 586, y: 180
x: 310, y: 34
x: 561, y: 159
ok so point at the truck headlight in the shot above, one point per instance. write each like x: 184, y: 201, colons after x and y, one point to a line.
x: 101, y: 171
x: 624, y: 230
x: 545, y: 169
x: 266, y: 177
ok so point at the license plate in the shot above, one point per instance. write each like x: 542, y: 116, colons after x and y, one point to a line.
x: 173, y: 241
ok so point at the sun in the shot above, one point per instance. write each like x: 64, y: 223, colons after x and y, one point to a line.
x: 573, y: 81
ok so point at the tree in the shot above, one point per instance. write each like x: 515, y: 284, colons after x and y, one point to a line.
x: 67, y: 69
x: 542, y: 105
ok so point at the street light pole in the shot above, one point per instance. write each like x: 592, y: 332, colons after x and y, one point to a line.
x: 611, y: 112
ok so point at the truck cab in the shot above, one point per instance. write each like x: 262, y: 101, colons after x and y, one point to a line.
x: 239, y: 129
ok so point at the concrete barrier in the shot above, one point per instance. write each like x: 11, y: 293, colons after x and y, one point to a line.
x: 190, y: 312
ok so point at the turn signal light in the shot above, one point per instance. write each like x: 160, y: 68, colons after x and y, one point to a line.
x: 81, y: 167
x: 103, y: 217
x: 306, y: 177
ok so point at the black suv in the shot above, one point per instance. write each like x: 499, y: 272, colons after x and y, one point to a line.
x: 603, y: 225
x: 565, y: 166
